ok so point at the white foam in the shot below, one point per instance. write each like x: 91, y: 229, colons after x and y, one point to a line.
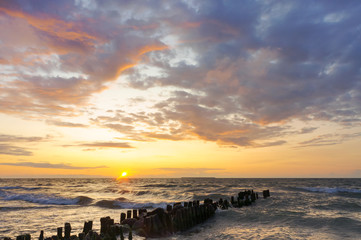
x: 38, y: 198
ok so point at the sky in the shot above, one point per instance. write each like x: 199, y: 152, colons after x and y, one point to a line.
x: 180, y: 88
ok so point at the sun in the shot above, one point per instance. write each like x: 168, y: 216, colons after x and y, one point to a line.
x: 123, y: 175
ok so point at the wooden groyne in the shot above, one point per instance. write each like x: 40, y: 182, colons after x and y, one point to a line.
x: 156, y: 223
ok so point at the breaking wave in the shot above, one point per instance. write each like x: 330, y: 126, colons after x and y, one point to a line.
x: 123, y: 203
x: 45, y: 199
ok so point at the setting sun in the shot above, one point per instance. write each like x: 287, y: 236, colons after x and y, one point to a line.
x: 123, y: 175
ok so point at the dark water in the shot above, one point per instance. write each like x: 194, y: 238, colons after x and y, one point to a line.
x: 297, y: 209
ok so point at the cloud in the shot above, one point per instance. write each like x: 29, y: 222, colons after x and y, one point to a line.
x: 13, y: 138
x: 329, y: 139
x: 49, y: 165
x: 232, y: 73
x: 308, y: 130
x: 103, y: 145
x: 65, y: 124
x: 62, y: 62
x: 14, y: 150
x: 7, y: 146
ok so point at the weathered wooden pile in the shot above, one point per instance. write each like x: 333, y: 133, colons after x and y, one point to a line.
x: 156, y: 223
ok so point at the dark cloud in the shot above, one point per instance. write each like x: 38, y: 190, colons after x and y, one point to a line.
x: 48, y: 165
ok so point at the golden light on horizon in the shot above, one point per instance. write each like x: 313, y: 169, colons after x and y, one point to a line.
x: 123, y: 175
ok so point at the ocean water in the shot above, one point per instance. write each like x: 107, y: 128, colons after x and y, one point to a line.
x: 297, y: 208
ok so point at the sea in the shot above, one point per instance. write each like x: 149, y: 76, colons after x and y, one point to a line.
x: 297, y: 208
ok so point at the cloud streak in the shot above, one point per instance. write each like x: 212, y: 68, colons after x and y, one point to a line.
x: 48, y: 165
x: 102, y: 145
x: 8, y: 144
x: 7, y: 149
x: 328, y: 139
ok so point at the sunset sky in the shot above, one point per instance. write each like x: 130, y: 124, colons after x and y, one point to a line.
x: 180, y: 88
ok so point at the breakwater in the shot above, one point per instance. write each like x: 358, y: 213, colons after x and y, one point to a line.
x: 159, y: 222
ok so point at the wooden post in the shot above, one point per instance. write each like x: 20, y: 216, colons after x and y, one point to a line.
x: 130, y: 236
x: 87, y: 227
x: 169, y: 222
x: 148, y: 224
x: 169, y: 208
x: 105, y: 222
x: 121, y: 233
x: 135, y: 212
x: 178, y: 220
x: 122, y: 217
x: 129, y: 214
x: 59, y: 232
x: 266, y: 193
x: 113, y: 232
x: 67, y: 230
x: 253, y: 197
x: 156, y: 224
x: 142, y: 211
x: 81, y: 235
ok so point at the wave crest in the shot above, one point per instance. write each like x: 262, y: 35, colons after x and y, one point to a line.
x: 45, y: 199
x: 331, y: 190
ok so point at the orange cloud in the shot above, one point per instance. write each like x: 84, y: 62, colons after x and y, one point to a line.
x: 136, y: 59
x: 55, y: 28
x: 51, y: 25
x: 151, y: 48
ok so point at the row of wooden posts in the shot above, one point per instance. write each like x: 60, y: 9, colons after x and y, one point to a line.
x: 156, y: 223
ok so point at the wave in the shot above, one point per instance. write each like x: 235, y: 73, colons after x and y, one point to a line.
x: 21, y: 208
x: 18, y: 187
x: 160, y: 185
x: 140, y: 193
x: 330, y: 190
x: 107, y: 204
x: 213, y: 196
x: 83, y: 200
x: 121, y: 203
x: 130, y: 205
x: 123, y: 191
x: 45, y: 199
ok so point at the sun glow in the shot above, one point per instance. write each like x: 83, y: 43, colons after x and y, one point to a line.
x: 123, y: 175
